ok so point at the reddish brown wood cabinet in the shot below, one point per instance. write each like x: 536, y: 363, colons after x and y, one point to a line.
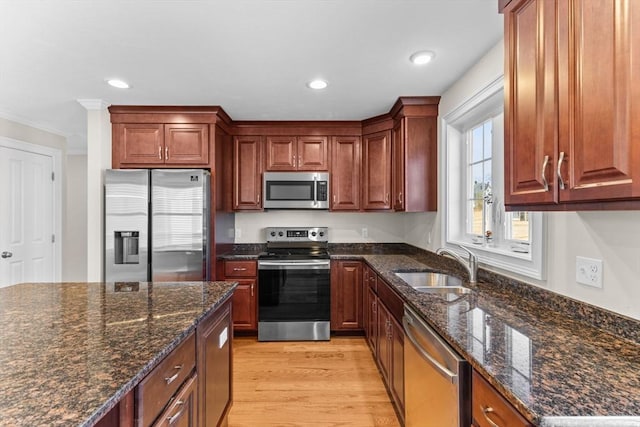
x: 245, y: 297
x: 155, y: 144
x: 489, y: 408
x: 247, y: 173
x: 302, y: 153
x: 376, y: 171
x: 346, y: 296
x: 384, y: 333
x: 415, y: 154
x: 572, y: 96
x: 345, y: 173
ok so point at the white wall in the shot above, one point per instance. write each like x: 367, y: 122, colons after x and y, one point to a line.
x: 613, y: 237
x: 343, y: 227
x: 74, y: 262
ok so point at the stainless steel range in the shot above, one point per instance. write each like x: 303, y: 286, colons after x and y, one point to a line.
x: 294, y: 285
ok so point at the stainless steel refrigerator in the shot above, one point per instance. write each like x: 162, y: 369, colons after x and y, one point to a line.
x: 156, y: 225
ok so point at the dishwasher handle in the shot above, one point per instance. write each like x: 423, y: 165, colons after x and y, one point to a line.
x: 407, y: 323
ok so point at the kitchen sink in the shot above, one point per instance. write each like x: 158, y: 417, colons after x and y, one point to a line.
x: 433, y: 283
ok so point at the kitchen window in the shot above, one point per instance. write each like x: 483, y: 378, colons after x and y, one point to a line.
x: 475, y: 216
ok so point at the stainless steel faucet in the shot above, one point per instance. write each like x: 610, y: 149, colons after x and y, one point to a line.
x: 471, y: 266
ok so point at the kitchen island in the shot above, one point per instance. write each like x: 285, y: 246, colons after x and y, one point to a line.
x: 72, y: 352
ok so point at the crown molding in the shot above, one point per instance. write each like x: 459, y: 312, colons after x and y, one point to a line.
x: 93, y: 104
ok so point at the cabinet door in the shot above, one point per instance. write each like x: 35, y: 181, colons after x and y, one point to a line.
x: 384, y: 343
x: 598, y: 74
x: 372, y: 319
x: 247, y: 173
x: 376, y: 166
x: 186, y: 144
x: 398, y: 173
x: 139, y: 143
x: 397, y: 364
x: 346, y: 295
x: 215, y: 338
x: 531, y: 99
x: 489, y: 408
x: 313, y: 153
x: 244, y: 305
x: 345, y: 173
x: 281, y: 153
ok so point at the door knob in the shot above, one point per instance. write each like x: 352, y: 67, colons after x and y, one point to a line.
x: 6, y: 254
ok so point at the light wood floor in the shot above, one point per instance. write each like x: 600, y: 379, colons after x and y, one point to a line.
x: 334, y: 383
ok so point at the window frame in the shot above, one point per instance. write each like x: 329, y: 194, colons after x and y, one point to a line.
x: 482, y: 105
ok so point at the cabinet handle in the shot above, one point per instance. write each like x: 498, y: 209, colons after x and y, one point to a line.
x: 299, y: 161
x: 560, y: 160
x: 544, y: 169
x: 489, y: 410
x: 386, y: 198
x: 166, y: 153
x: 334, y: 198
x: 252, y: 289
x: 160, y: 153
x: 293, y: 160
x: 373, y: 306
x: 175, y: 417
x: 173, y: 377
x: 258, y: 198
x: 239, y: 269
x: 400, y: 197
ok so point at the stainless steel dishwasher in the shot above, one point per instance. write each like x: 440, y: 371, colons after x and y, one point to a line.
x: 437, y: 380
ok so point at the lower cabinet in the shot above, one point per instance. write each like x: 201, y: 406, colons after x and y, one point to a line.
x: 245, y: 297
x: 183, y: 411
x: 215, y: 336
x: 490, y: 409
x: 383, y: 313
x: 346, y: 296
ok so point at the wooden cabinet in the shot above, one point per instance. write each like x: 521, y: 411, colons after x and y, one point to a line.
x: 179, y: 144
x: 376, y: 171
x: 346, y: 296
x: 247, y: 173
x: 415, y: 154
x: 183, y: 409
x: 215, y: 337
x: 345, y: 173
x: 384, y: 333
x: 245, y: 296
x: 302, y: 153
x: 572, y: 94
x: 489, y: 408
x: 159, y: 387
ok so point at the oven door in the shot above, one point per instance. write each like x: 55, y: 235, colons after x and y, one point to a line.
x: 293, y: 299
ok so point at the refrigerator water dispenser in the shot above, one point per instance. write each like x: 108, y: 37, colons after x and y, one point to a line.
x: 126, y: 247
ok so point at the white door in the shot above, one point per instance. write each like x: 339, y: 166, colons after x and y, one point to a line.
x: 26, y: 217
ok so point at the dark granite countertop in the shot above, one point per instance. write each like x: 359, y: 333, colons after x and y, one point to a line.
x: 70, y: 351
x: 556, y: 370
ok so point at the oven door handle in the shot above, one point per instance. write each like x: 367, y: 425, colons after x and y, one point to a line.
x: 293, y: 265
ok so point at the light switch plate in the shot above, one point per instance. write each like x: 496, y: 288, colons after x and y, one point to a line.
x: 589, y: 271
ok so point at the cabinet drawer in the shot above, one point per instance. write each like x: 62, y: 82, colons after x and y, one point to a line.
x: 240, y: 269
x: 161, y: 384
x: 183, y: 410
x: 490, y: 409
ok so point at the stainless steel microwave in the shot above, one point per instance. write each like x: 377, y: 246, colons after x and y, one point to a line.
x: 296, y: 190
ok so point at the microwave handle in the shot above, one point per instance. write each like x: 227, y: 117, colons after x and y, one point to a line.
x: 315, y: 191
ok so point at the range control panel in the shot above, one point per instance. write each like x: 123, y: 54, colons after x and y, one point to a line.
x: 297, y: 234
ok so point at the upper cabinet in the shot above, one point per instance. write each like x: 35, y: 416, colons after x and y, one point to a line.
x: 345, y: 173
x: 247, y: 173
x: 376, y: 171
x: 164, y: 137
x: 571, y: 96
x: 302, y: 153
x: 414, y: 143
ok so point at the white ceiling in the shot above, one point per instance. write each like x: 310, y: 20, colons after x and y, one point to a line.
x: 252, y: 57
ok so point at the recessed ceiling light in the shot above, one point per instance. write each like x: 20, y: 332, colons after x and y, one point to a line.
x: 317, y: 84
x: 422, y: 57
x: 118, y: 83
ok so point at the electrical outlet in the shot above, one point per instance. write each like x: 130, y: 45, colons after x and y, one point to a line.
x: 589, y: 271
x: 365, y: 232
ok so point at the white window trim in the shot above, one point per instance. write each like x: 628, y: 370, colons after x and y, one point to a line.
x: 530, y: 264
